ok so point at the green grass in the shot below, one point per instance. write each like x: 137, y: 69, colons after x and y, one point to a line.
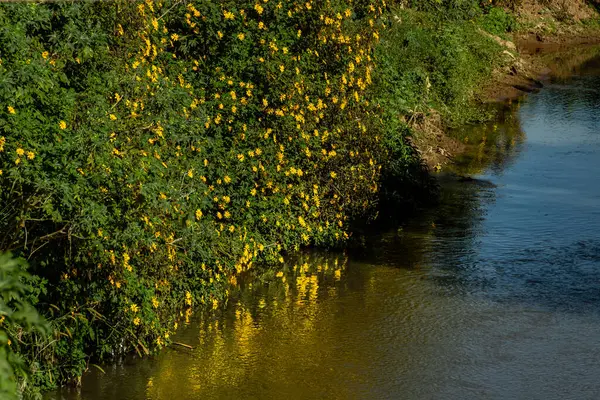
x: 430, y: 63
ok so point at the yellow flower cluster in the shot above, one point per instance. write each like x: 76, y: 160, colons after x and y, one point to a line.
x: 271, y: 148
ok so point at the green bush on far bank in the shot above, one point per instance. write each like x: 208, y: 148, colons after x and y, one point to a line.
x: 431, y: 63
x: 432, y: 59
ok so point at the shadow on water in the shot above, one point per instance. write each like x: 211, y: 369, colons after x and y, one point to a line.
x: 493, y: 294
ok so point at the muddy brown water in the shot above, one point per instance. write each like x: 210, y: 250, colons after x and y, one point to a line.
x: 495, y: 294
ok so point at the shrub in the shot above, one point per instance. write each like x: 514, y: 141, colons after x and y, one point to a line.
x: 153, y: 151
x: 428, y: 65
x: 498, y: 22
x: 448, y: 9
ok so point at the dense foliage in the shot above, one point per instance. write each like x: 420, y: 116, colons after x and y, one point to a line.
x: 20, y: 325
x: 153, y: 151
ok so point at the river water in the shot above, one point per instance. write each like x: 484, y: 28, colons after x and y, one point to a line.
x: 495, y: 294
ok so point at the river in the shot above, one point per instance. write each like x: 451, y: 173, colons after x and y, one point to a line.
x: 495, y: 294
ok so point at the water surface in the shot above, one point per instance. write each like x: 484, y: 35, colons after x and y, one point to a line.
x: 493, y: 295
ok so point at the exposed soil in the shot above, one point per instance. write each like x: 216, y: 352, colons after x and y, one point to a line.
x: 549, y: 27
x: 431, y: 141
x: 537, y: 12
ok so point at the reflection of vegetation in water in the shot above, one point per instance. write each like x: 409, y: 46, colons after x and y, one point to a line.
x: 566, y: 63
x: 229, y: 343
x: 492, y: 145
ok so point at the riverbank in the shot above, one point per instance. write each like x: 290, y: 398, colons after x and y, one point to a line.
x: 491, y: 294
x: 545, y: 41
x: 181, y: 158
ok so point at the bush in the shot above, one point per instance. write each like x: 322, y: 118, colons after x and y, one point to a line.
x: 428, y: 65
x: 498, y: 22
x: 152, y: 152
x: 448, y: 9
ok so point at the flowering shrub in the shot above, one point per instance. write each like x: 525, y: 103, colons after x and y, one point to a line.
x: 150, y: 152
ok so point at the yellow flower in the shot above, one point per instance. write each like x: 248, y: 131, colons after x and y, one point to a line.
x: 220, y: 34
x: 11, y: 110
x: 45, y: 54
x: 227, y: 179
x: 259, y: 9
x: 134, y: 308
x: 175, y: 37
x: 155, y: 302
x: 190, y: 173
x: 241, y: 36
x: 112, y: 117
x: 30, y: 155
x: 228, y: 15
x: 20, y: 151
x: 333, y: 174
x: 62, y: 125
x: 198, y: 214
x: 136, y: 321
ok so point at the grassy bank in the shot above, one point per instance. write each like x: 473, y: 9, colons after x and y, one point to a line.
x: 151, y: 152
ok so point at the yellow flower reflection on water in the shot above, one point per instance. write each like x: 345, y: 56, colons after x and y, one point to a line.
x: 253, y: 330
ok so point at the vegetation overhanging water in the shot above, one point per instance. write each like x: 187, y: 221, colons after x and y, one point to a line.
x: 153, y: 153
x: 491, y: 294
